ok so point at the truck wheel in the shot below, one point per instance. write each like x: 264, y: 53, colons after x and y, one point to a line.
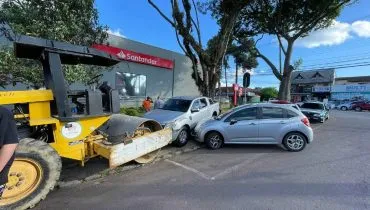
x: 34, y: 173
x: 183, y: 138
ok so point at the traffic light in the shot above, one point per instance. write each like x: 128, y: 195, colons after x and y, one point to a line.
x: 246, y: 79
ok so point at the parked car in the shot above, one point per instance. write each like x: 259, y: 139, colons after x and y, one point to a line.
x: 296, y: 106
x: 264, y: 123
x: 333, y: 104
x: 182, y: 114
x: 361, y: 106
x: 347, y: 105
x: 315, y: 111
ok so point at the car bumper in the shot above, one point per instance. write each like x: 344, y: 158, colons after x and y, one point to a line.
x: 175, y: 134
x: 317, y: 118
x: 309, y: 135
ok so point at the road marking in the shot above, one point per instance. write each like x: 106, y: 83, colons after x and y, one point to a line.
x: 223, y: 173
x: 205, y: 176
x: 237, y: 166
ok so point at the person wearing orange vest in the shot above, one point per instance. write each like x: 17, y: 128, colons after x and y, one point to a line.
x: 147, y: 104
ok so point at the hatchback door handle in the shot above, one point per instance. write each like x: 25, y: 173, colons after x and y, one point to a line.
x: 252, y: 123
x: 282, y: 122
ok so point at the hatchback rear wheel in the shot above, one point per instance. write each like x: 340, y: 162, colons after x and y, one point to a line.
x: 295, y: 142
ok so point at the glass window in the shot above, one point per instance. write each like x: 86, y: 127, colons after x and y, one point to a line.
x: 272, y: 113
x: 177, y: 105
x: 211, y: 101
x: 196, y: 105
x: 312, y: 106
x: 129, y: 85
x: 203, y: 103
x: 291, y: 114
x: 244, y: 114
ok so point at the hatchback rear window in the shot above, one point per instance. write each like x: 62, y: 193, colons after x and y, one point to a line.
x: 291, y: 114
x: 272, y: 112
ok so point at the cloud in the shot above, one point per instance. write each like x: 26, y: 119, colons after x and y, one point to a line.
x: 361, y: 28
x: 116, y: 32
x: 336, y: 34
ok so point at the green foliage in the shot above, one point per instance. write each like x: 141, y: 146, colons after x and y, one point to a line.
x: 240, y: 50
x: 289, y: 21
x: 133, y: 111
x: 63, y: 20
x: 268, y: 92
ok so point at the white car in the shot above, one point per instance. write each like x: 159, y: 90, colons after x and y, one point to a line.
x: 182, y: 114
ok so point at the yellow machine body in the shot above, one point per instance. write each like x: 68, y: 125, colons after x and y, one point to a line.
x: 80, y: 141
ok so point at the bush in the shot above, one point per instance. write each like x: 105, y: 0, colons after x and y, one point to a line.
x: 133, y: 111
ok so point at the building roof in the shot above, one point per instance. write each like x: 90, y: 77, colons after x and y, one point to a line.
x: 313, y: 76
x: 354, y: 79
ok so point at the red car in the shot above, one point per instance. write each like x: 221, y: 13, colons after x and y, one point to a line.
x: 361, y: 106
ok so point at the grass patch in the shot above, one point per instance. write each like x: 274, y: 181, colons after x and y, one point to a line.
x: 133, y: 111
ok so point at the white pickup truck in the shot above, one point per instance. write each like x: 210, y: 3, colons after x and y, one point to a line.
x: 182, y: 114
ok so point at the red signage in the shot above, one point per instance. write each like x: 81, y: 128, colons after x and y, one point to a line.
x: 128, y: 55
x: 240, y: 91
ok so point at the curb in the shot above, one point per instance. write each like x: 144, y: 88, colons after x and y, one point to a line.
x: 124, y: 168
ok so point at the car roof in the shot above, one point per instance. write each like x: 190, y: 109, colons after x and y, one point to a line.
x: 265, y: 105
x: 314, y: 102
x: 187, y: 97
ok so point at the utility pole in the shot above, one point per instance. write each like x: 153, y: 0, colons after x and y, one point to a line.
x: 236, y: 73
x: 227, y: 91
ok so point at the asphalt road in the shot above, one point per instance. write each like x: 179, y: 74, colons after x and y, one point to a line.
x: 331, y: 173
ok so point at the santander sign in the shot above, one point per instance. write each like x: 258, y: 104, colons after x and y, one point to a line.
x: 131, y: 56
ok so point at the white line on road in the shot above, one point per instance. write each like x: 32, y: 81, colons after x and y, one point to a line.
x: 205, y: 176
x: 237, y: 166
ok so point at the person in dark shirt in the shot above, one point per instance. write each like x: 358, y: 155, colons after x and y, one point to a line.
x: 8, y: 144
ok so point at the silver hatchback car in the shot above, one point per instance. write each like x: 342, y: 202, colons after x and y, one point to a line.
x: 258, y: 124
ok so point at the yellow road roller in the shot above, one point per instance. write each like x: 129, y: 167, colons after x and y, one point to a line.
x: 57, y: 122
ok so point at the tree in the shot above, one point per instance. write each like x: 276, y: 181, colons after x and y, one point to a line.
x: 287, y: 21
x: 206, y: 62
x: 268, y: 92
x: 72, y: 21
x: 243, y: 58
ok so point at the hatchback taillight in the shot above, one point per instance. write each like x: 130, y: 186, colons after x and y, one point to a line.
x: 306, y: 121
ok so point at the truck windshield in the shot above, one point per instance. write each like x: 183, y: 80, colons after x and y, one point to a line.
x: 178, y: 105
x: 312, y: 106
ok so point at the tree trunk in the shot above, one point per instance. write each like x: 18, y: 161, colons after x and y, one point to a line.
x: 285, y: 84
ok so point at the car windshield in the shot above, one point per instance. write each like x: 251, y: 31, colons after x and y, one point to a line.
x: 312, y: 106
x: 178, y: 105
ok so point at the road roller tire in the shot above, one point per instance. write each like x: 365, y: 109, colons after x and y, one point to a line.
x: 34, y: 173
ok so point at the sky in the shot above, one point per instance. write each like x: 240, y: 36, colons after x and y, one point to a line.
x: 345, y: 43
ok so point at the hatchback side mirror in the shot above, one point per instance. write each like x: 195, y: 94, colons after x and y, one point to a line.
x: 195, y: 110
x: 233, y: 121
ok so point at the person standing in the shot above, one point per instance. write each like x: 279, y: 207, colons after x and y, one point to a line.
x: 147, y: 104
x: 8, y: 144
x: 158, y: 103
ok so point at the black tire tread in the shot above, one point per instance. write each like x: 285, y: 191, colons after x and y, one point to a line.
x: 28, y: 147
x: 207, y: 141
x: 177, y: 141
x: 296, y: 133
